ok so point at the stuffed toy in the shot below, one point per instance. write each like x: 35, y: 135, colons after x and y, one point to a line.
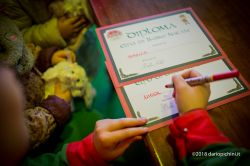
x: 13, y: 51
x: 68, y: 7
x: 70, y: 77
x: 42, y: 115
x: 72, y: 8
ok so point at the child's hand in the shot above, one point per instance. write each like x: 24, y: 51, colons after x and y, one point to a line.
x: 113, y: 136
x: 190, y: 97
x: 70, y: 27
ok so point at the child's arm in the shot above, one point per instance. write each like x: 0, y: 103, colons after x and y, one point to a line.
x: 33, y: 20
x: 198, y: 141
x: 44, y: 35
x: 70, y: 27
x: 109, y: 140
x: 54, y: 32
x: 36, y: 26
x: 193, y: 131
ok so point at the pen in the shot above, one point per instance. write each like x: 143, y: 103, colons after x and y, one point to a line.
x: 204, y: 79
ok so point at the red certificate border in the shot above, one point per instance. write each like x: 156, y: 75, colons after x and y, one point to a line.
x: 167, y: 120
x: 118, y: 82
x: 118, y: 85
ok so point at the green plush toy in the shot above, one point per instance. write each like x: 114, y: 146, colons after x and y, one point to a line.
x: 42, y: 115
x: 12, y: 50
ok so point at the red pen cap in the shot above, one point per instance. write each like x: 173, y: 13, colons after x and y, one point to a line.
x: 230, y: 74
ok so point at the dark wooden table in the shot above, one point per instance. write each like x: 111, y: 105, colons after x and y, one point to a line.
x: 229, y: 23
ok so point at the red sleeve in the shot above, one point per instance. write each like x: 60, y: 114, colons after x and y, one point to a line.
x: 84, y: 153
x: 193, y: 131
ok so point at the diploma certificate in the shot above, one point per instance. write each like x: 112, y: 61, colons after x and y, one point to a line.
x: 156, y: 44
x: 149, y: 98
x: 143, y: 54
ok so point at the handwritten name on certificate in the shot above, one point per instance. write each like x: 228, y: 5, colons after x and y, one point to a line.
x: 150, y: 99
x: 145, y: 47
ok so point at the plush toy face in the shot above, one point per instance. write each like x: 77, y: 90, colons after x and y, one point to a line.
x: 75, y: 7
x: 71, y: 76
x: 12, y: 49
x: 77, y: 79
x: 67, y: 7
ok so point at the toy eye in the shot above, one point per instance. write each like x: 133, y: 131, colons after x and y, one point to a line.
x: 78, y: 80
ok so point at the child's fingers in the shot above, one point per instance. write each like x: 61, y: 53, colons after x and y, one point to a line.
x: 78, y: 28
x: 124, y: 134
x: 74, y: 19
x: 122, y: 123
x: 179, y: 82
x: 190, y: 74
x: 80, y: 23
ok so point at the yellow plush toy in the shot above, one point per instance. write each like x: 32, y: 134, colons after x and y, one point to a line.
x: 72, y: 81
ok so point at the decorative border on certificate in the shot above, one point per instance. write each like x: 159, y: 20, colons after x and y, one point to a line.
x: 122, y: 75
x: 240, y: 87
x: 154, y: 101
x: 151, y: 120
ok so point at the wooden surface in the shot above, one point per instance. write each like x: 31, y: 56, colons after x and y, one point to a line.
x: 229, y: 23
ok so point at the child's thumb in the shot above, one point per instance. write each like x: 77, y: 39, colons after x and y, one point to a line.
x: 179, y: 82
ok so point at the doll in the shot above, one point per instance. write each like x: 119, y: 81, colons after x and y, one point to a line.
x: 70, y: 77
x: 42, y: 116
x: 12, y: 48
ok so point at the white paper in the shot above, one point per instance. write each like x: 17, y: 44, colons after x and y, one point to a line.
x: 149, y: 46
x: 150, y: 98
